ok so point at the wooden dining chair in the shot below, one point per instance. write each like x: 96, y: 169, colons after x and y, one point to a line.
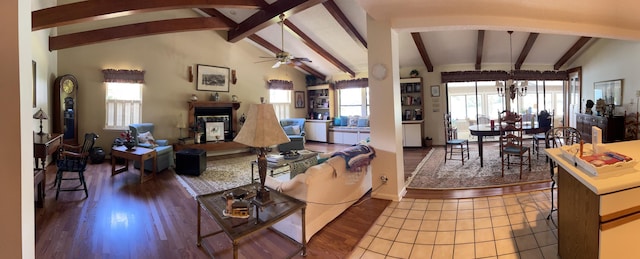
x: 511, y: 141
x: 74, y: 159
x: 545, y: 123
x: 554, y: 138
x: 453, y: 145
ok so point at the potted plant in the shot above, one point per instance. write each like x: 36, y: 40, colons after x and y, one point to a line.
x: 414, y: 73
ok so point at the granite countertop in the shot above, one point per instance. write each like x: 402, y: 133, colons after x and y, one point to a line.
x: 607, y: 182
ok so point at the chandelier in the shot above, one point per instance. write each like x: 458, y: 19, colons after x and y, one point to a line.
x: 513, y: 90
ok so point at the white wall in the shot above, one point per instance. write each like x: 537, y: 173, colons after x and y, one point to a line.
x: 166, y: 59
x: 609, y: 59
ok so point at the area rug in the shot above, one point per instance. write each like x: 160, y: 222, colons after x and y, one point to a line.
x: 223, y: 174
x: 434, y: 173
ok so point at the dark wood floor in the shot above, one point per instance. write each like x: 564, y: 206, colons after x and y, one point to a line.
x: 122, y: 218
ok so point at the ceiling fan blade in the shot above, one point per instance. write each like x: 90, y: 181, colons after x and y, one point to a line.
x: 270, y: 60
x: 302, y: 59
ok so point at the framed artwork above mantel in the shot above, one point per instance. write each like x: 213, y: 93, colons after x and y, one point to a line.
x: 212, y: 78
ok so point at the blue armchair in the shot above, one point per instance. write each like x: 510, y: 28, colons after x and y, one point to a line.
x: 294, y: 128
x: 164, y: 150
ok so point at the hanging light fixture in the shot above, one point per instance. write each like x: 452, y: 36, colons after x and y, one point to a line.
x: 513, y: 89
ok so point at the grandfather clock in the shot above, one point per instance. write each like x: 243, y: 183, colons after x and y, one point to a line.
x: 65, y: 114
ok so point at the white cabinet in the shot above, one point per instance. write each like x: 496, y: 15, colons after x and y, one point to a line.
x: 316, y: 130
x: 349, y: 137
x: 412, y: 134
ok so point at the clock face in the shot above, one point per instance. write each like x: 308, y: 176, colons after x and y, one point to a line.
x: 67, y: 86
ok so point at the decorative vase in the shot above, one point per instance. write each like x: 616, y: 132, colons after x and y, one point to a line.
x: 130, y: 145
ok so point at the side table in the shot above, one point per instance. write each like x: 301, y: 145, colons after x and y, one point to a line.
x: 138, y: 153
x: 237, y: 228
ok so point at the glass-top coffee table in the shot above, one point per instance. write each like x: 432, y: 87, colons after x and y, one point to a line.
x: 281, y: 162
x: 259, y: 217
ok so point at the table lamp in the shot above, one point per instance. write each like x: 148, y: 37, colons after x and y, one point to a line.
x: 261, y: 130
x: 41, y: 115
x: 181, y: 124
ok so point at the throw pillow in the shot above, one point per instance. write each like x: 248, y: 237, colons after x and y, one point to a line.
x: 353, y: 120
x: 301, y: 166
x: 344, y: 121
x: 296, y: 130
x: 291, y: 130
x: 145, y: 138
x: 363, y: 122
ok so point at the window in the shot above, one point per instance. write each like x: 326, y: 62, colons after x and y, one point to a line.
x: 281, y: 100
x: 354, y: 101
x: 123, y: 105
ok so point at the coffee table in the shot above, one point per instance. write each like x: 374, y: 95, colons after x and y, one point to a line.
x: 138, y: 153
x: 260, y: 217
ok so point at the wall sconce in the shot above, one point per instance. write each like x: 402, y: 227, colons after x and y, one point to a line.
x: 234, y: 79
x: 190, y: 74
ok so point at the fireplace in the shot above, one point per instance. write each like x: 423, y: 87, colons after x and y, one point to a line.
x: 206, y: 114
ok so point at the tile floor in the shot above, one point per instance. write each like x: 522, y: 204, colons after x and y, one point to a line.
x: 507, y: 226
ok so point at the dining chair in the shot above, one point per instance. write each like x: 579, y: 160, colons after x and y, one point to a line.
x: 74, y: 159
x: 545, y: 122
x: 453, y: 144
x: 511, y: 141
x: 554, y: 138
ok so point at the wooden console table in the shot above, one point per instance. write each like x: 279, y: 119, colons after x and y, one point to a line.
x: 44, y: 146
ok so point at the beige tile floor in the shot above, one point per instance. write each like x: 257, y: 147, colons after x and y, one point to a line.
x: 507, y: 226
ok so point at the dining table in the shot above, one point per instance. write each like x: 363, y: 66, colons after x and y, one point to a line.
x: 485, y: 130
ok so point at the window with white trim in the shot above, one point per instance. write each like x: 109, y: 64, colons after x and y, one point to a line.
x: 281, y: 100
x: 123, y: 105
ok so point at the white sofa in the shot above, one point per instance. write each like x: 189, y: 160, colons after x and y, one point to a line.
x: 327, y: 194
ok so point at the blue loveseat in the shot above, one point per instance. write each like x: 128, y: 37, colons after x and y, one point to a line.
x: 294, y: 128
x: 164, y: 150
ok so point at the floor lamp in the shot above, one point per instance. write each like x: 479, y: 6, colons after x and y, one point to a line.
x: 261, y: 130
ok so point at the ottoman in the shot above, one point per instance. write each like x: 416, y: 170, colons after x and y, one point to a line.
x: 191, y: 161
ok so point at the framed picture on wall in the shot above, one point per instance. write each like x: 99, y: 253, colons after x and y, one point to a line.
x: 435, y: 91
x: 299, y: 97
x: 212, y: 78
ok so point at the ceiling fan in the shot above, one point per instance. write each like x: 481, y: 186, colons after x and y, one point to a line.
x: 283, y: 57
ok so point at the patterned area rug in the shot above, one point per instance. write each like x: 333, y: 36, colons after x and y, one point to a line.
x: 222, y: 174
x: 435, y: 174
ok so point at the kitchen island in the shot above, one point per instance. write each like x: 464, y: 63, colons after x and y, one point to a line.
x: 598, y: 216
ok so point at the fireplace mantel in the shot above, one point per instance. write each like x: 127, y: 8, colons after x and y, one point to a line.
x: 193, y: 105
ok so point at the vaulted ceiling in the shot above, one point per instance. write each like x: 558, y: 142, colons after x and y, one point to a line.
x: 331, y: 33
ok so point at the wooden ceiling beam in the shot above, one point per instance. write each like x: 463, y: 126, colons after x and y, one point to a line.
x: 423, y: 51
x: 135, y: 30
x: 526, y: 49
x: 342, y: 19
x: 97, y: 10
x: 479, y: 48
x: 571, y: 52
x: 265, y: 44
x: 268, y: 16
x: 315, y: 47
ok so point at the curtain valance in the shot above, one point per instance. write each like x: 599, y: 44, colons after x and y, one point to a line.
x: 354, y: 83
x: 280, y: 84
x: 469, y: 76
x: 123, y: 76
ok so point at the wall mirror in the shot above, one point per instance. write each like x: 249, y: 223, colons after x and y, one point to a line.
x: 610, y: 91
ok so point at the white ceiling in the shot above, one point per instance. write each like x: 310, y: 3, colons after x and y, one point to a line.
x: 449, y: 30
x: 450, y: 46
